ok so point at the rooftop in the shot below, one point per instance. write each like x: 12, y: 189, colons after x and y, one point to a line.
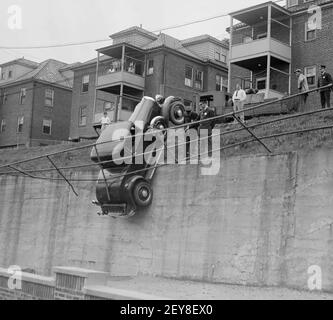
x: 21, y: 61
x: 48, y: 71
x: 205, y: 38
x: 134, y: 29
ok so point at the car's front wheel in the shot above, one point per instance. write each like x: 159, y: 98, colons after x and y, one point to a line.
x: 142, y: 193
x: 177, y: 114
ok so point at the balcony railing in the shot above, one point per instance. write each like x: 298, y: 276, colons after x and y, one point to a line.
x: 116, y: 71
x: 254, y: 48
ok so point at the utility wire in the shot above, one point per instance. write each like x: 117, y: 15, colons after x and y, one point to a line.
x: 61, y: 45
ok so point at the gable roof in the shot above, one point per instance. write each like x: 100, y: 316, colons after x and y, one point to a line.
x: 205, y: 38
x: 165, y: 40
x: 47, y: 71
x: 135, y: 29
x: 21, y: 61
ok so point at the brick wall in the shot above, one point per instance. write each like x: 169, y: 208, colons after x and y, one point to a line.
x: 11, y: 110
x: 80, y: 99
x: 59, y: 113
x: 68, y: 283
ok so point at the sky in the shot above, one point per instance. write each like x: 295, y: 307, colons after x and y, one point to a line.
x: 49, y: 22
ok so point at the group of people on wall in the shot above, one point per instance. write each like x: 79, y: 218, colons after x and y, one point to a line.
x: 324, y: 85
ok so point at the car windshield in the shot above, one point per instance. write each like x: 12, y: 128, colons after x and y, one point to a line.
x: 143, y: 110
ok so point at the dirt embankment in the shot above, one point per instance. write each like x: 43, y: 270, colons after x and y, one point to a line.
x: 295, y: 142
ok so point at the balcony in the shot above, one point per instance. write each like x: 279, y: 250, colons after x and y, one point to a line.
x: 260, y: 43
x: 121, y: 64
x: 113, y: 74
x: 260, y: 47
x: 261, y: 30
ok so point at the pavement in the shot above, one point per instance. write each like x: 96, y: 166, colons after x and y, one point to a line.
x: 188, y: 290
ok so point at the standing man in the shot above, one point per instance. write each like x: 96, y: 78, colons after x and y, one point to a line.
x: 302, y: 85
x: 205, y: 114
x: 105, y: 121
x: 238, y: 99
x: 325, y: 94
x: 190, y: 116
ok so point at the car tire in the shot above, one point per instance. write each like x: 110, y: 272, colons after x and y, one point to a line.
x: 142, y: 193
x: 177, y: 114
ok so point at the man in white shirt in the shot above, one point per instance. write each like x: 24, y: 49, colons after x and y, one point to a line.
x: 105, y: 121
x: 238, y: 99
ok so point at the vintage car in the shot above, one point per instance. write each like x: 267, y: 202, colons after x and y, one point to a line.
x: 122, y: 188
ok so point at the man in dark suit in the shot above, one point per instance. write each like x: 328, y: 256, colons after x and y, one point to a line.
x: 325, y: 94
x: 205, y: 114
x: 191, y: 116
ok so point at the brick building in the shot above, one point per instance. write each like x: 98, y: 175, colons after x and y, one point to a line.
x: 140, y: 63
x: 268, y: 42
x: 35, y: 102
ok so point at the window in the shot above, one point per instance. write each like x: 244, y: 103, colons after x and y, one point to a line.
x: 198, y: 81
x: 221, y: 83
x: 83, y: 116
x: 188, y: 76
x: 49, y: 97
x: 310, y: 34
x: 261, y: 83
x: 150, y: 67
x: 10, y: 74
x: 2, y: 75
x: 23, y: 95
x: 85, y: 83
x: 47, y: 125
x: 310, y: 73
x: 219, y: 56
x: 292, y: 3
x: 3, y: 125
x: 20, y: 121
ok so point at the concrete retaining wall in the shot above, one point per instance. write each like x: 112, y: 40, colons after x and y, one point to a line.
x: 263, y: 220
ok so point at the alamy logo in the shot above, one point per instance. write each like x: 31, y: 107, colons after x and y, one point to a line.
x: 15, y: 280
x: 315, y: 279
x: 315, y: 20
x: 15, y: 17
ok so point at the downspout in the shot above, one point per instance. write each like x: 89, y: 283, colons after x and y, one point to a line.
x: 164, y: 74
x: 32, y: 112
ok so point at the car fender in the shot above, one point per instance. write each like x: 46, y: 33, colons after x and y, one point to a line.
x: 128, y: 186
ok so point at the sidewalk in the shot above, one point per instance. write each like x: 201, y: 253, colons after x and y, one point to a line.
x: 187, y: 290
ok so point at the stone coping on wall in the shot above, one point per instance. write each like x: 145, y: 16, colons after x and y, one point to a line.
x: 29, y: 277
x: 118, y: 294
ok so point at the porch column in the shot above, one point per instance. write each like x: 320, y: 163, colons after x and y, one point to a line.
x: 289, y: 79
x: 290, y: 31
x: 120, y: 105
x: 96, y: 85
x: 123, y: 58
x: 268, y: 81
x: 230, y: 52
x: 269, y: 34
x: 269, y: 22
